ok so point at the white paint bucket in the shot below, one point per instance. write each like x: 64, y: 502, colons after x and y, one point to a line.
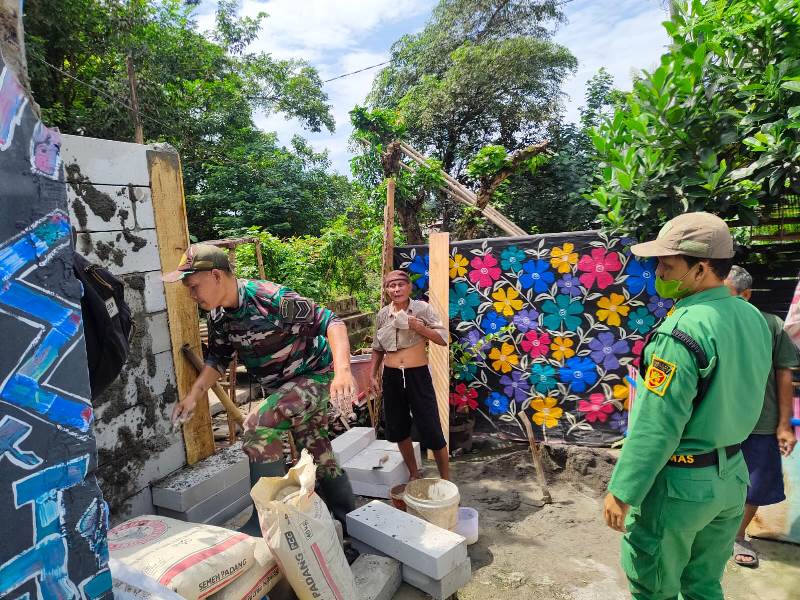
x: 435, y: 500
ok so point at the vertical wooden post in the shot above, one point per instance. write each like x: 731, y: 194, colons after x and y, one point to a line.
x: 439, y: 297
x: 260, y: 260
x: 387, y: 259
x: 234, y: 363
x: 137, y: 118
x: 169, y: 208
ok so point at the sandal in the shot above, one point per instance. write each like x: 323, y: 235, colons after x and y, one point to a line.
x: 743, y: 548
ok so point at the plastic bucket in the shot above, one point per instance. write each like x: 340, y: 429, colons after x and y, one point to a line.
x: 435, y: 500
x: 468, y: 524
x: 397, y: 493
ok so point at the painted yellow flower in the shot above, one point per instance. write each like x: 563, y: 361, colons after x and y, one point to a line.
x: 563, y: 258
x: 621, y: 393
x: 458, y: 266
x: 507, y: 301
x: 562, y: 348
x: 611, y: 307
x: 503, y: 358
x: 547, y: 412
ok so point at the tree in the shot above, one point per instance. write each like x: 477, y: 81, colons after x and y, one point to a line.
x: 715, y: 126
x: 481, y: 72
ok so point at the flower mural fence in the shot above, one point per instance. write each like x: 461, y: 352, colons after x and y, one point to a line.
x: 566, y: 315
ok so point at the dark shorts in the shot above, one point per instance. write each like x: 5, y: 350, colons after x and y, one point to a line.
x: 763, y: 458
x: 410, y: 395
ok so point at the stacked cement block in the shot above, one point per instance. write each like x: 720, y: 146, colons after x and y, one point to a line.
x: 358, y: 452
x: 211, y: 491
x: 433, y: 559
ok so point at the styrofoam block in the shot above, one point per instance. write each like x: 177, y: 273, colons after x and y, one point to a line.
x: 376, y: 577
x: 387, y: 446
x: 425, y: 547
x: 360, y: 468
x: 351, y: 442
x: 193, y: 484
x: 370, y: 490
x: 440, y: 588
x: 209, y: 507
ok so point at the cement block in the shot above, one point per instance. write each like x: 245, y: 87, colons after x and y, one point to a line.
x: 370, y: 490
x: 360, y: 468
x: 142, y: 202
x: 141, y: 503
x: 365, y: 548
x: 107, y: 162
x: 387, y: 446
x: 136, y: 252
x: 425, y: 547
x: 211, y: 506
x: 154, y: 298
x: 230, y: 511
x: 351, y: 442
x: 440, y: 588
x: 376, y: 577
x: 100, y: 207
x: 156, y: 326
x: 193, y: 484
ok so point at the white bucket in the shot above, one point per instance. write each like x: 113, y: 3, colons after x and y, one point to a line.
x: 468, y: 524
x: 435, y: 500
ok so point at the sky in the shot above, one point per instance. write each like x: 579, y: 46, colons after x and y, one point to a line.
x: 341, y: 36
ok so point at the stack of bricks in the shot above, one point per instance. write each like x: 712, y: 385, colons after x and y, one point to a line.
x: 433, y: 559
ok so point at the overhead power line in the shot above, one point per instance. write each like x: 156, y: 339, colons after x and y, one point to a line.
x: 386, y: 62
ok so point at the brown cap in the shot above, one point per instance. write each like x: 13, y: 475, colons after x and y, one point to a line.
x: 697, y: 234
x: 395, y: 276
x: 198, y: 257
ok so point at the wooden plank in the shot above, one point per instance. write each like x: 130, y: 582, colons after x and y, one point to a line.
x: 169, y: 209
x: 439, y: 297
x: 387, y: 257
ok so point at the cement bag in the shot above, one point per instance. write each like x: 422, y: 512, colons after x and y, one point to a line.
x: 131, y: 584
x: 191, y: 559
x: 300, y: 533
x: 257, y: 581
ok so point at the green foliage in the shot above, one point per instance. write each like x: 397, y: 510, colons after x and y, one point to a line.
x: 488, y: 161
x: 377, y: 127
x: 715, y: 126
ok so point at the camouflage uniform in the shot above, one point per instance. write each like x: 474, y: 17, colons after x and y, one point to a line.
x: 280, y: 338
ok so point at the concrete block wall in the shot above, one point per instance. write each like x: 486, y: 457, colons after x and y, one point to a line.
x: 108, y: 194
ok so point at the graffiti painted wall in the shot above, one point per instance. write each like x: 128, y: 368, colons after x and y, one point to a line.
x: 565, y: 316
x: 110, y: 204
x: 54, y: 518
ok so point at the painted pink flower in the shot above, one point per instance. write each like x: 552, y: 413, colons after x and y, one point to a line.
x: 535, y: 344
x: 485, y: 270
x: 596, y: 408
x: 637, y: 348
x: 598, y: 267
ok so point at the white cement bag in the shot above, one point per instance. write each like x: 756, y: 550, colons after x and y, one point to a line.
x: 131, y: 584
x: 300, y: 533
x: 256, y: 582
x: 191, y: 559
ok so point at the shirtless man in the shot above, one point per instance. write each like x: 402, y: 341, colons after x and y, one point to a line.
x: 404, y: 328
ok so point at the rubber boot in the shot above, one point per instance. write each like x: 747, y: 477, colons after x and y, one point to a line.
x: 257, y: 471
x: 337, y: 493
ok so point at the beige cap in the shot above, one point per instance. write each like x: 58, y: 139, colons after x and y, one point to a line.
x: 698, y: 234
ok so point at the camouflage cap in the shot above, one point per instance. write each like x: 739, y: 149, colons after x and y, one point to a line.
x: 697, y: 234
x: 198, y: 257
x: 396, y: 275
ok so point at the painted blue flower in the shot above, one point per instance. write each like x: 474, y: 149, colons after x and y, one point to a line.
x: 659, y: 306
x: 569, y: 285
x: 463, y: 301
x: 526, y: 319
x: 619, y: 421
x: 492, y: 322
x: 511, y: 259
x: 537, y: 275
x: 420, y: 266
x: 497, y: 403
x: 542, y: 377
x: 641, y: 320
x: 641, y: 276
x: 562, y: 312
x: 579, y: 372
x: 605, y: 349
x: 515, y: 385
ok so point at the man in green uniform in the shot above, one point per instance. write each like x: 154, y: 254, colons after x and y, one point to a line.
x: 679, y: 487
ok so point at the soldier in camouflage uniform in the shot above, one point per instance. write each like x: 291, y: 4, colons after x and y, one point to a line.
x: 297, y: 350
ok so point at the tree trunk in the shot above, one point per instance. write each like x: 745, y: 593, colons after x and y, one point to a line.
x: 12, y: 44
x: 407, y: 217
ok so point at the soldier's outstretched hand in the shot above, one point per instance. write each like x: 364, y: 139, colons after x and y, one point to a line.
x: 614, y: 512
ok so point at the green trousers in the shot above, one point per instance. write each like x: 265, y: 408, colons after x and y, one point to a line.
x: 680, y: 538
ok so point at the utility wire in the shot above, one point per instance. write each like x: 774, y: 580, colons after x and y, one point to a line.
x: 386, y: 62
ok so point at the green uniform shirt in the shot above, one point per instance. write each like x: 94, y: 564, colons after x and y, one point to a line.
x: 664, y: 420
x: 784, y: 356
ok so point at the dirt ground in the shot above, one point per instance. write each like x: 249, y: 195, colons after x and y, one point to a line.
x: 563, y: 551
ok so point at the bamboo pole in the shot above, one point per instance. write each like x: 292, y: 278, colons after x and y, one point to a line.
x: 536, y: 455
x: 387, y: 259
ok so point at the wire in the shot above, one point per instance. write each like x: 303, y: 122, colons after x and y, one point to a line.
x: 386, y: 62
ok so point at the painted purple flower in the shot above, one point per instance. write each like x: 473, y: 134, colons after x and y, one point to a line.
x: 474, y: 339
x: 605, y: 350
x: 659, y: 306
x: 526, y: 319
x: 619, y: 421
x: 515, y: 385
x: 569, y: 285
